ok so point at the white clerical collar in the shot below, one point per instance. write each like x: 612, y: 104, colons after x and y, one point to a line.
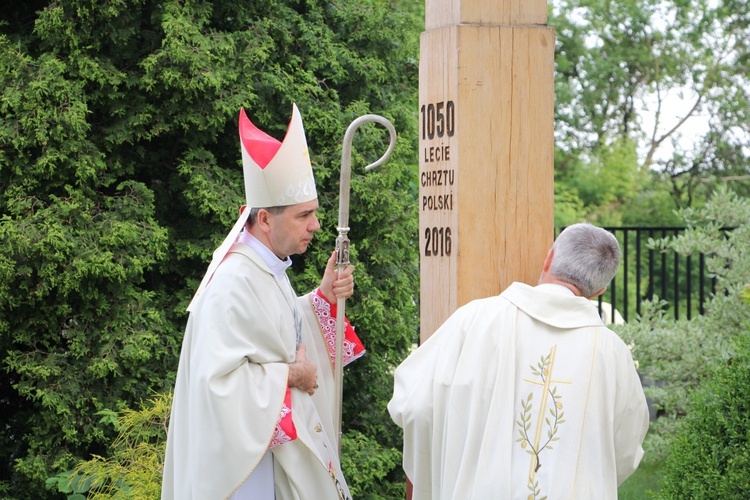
x: 277, y: 266
x: 555, y: 288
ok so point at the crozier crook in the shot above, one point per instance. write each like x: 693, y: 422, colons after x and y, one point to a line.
x: 342, y: 245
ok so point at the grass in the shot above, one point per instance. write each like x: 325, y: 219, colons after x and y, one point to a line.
x: 642, y: 483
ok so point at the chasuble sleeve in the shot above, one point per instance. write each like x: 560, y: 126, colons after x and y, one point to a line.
x: 631, y: 417
x: 419, y: 404
x: 326, y: 313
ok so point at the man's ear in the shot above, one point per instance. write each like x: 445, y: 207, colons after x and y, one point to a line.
x: 263, y: 220
x: 548, y: 260
x: 598, y: 293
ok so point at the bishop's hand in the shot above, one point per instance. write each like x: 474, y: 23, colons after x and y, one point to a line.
x: 303, y: 372
x: 337, y: 285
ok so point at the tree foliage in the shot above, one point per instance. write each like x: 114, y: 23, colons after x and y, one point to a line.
x: 634, y: 78
x: 120, y: 173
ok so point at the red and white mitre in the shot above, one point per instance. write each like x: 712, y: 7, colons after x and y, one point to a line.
x: 277, y: 174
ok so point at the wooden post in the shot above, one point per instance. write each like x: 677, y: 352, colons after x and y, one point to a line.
x: 486, y: 97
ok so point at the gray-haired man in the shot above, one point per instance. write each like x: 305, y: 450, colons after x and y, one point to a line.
x: 526, y: 394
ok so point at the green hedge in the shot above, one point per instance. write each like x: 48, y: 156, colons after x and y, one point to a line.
x: 710, y: 456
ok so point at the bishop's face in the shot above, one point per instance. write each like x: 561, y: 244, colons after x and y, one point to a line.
x: 292, y: 230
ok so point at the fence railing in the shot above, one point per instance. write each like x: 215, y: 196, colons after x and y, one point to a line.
x: 681, y: 281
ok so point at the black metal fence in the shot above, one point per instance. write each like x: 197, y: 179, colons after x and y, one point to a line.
x: 681, y: 281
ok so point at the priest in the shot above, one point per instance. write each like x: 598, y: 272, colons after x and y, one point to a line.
x: 252, y: 416
x: 526, y: 394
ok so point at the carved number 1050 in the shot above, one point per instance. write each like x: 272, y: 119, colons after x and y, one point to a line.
x: 438, y: 119
x: 438, y: 242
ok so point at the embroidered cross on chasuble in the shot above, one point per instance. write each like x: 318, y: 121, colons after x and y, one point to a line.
x: 550, y: 402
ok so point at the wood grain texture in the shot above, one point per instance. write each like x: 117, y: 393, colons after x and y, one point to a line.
x: 442, y: 13
x: 499, y: 80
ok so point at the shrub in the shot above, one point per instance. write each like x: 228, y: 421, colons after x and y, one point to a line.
x: 135, y: 463
x: 710, y: 454
x: 676, y: 356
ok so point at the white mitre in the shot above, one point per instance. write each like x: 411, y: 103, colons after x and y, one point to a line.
x: 277, y: 174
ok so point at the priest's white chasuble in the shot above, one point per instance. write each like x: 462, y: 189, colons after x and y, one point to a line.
x: 526, y: 395
x: 231, y: 390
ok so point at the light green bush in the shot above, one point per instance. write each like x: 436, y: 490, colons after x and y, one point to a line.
x: 133, y: 466
x: 675, y: 357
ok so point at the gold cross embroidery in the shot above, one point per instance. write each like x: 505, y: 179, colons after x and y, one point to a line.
x: 547, y: 380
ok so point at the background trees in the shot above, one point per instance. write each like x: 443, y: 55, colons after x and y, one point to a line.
x: 120, y: 172
x: 651, y: 124
x: 651, y: 105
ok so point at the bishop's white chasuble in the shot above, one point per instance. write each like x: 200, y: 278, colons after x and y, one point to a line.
x: 231, y: 391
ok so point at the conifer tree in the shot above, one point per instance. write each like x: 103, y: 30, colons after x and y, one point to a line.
x: 120, y: 172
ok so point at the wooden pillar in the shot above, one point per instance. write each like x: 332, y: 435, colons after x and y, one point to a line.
x: 486, y: 97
